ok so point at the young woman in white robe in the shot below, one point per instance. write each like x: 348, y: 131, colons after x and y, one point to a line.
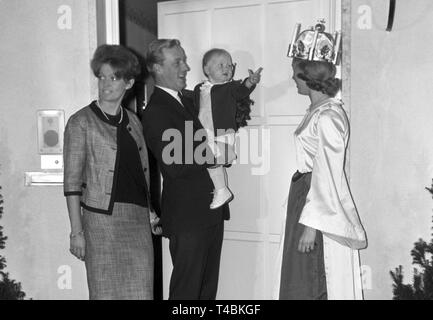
x: 323, y: 231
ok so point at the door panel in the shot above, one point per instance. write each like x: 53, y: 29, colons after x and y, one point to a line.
x: 194, y: 24
x: 281, y: 96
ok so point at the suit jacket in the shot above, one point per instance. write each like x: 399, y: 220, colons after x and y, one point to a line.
x: 224, y: 98
x: 91, y: 154
x: 169, y: 128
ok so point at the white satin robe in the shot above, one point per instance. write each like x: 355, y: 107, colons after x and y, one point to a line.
x: 321, y: 140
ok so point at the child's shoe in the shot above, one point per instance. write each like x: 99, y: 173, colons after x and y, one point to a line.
x: 220, y: 197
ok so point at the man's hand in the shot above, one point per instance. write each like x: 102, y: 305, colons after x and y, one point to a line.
x: 155, y: 224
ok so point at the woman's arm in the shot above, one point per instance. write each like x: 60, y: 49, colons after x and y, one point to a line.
x: 77, y: 241
x: 326, y: 176
x: 74, y: 210
x: 329, y: 206
x: 74, y: 160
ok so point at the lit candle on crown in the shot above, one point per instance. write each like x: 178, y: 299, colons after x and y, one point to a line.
x: 295, y: 35
x: 313, y: 45
x: 336, y: 46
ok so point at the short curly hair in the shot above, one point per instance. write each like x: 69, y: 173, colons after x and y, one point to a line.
x: 121, y: 59
x: 319, y: 76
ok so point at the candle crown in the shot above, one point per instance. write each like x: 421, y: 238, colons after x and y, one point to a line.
x: 315, y: 44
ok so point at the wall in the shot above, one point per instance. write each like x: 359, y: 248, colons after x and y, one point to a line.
x: 42, y: 67
x: 391, y: 157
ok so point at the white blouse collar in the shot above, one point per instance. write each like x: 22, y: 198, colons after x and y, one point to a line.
x: 317, y: 105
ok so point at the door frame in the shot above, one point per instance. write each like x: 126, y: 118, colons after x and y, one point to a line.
x: 107, y: 22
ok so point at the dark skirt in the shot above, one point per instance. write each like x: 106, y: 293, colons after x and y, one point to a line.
x: 119, y: 253
x: 302, y: 274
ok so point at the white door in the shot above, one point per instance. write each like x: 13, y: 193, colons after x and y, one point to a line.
x: 257, y: 34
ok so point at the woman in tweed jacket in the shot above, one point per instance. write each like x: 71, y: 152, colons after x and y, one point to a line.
x: 106, y: 181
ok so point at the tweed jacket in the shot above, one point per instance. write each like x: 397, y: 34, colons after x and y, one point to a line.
x: 91, y: 157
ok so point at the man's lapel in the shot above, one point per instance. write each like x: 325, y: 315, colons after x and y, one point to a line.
x: 186, y: 108
x: 169, y: 100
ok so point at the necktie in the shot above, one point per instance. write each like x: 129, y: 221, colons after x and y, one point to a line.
x: 188, y: 105
x: 181, y: 98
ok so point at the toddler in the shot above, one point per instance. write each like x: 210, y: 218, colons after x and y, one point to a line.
x: 217, y: 99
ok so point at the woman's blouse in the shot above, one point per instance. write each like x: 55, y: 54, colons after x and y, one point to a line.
x: 321, y: 140
x: 131, y: 184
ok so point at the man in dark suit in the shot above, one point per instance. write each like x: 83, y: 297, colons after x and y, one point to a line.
x: 171, y: 128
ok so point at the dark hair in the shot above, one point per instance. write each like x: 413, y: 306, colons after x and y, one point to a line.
x: 210, y: 54
x: 319, y: 76
x: 122, y: 60
x: 154, y: 53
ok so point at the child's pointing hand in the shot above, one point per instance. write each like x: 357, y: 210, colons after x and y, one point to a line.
x: 254, y: 77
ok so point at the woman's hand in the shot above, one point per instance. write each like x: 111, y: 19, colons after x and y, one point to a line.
x: 306, y: 242
x: 155, y: 224
x: 77, y: 245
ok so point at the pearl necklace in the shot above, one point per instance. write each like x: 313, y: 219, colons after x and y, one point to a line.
x: 121, y: 112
